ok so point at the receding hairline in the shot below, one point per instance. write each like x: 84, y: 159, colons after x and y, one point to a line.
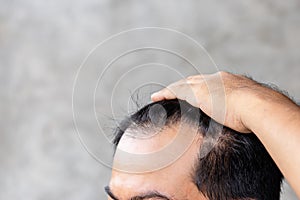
x: 255, y: 166
x: 177, y: 112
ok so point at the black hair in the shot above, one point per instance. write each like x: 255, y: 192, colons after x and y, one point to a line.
x: 237, y: 167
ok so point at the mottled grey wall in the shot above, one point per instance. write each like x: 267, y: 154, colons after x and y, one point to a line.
x: 42, y: 44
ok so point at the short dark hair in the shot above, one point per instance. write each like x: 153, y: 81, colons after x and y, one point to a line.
x: 237, y: 167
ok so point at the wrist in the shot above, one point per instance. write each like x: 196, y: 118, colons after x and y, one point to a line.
x: 261, y: 105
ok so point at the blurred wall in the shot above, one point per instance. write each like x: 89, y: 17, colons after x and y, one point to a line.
x: 42, y: 44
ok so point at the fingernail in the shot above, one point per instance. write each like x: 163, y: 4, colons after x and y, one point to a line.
x: 154, y: 94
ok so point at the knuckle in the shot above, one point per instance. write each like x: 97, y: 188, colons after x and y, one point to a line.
x: 189, y: 78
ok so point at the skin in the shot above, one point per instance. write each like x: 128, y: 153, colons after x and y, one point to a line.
x: 175, y: 181
x: 249, y: 107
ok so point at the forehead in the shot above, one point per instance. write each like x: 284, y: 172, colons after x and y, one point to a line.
x: 163, y: 161
x: 141, y: 150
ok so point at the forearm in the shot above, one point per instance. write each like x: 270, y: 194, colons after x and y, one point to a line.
x: 276, y: 122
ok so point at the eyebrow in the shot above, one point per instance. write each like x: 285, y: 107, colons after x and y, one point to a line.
x: 109, y: 193
x: 147, y: 195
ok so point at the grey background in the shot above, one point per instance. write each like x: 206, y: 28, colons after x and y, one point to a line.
x: 42, y: 44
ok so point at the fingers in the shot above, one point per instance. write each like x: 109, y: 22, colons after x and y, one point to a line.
x: 182, y: 89
x: 163, y: 94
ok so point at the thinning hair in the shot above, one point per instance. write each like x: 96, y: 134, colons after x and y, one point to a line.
x: 237, y: 167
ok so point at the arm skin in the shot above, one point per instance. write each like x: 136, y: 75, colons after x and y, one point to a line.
x: 249, y: 107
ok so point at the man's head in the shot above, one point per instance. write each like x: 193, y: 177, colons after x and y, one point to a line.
x: 230, y: 166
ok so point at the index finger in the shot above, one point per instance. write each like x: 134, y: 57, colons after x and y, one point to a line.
x: 163, y: 95
x: 177, y: 90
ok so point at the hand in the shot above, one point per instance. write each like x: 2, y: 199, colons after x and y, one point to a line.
x: 225, y: 97
x: 247, y: 106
